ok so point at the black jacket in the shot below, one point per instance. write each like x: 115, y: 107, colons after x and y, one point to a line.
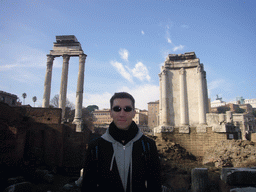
x: 98, y: 177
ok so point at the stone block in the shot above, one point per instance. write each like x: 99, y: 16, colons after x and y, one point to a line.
x: 239, y: 176
x: 199, y: 180
x: 184, y: 129
x: 20, y: 187
x: 246, y: 189
x: 201, y: 129
x: 219, y: 128
x: 163, y: 128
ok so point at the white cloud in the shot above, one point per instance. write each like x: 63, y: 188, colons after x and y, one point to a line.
x: 180, y: 47
x: 220, y: 86
x: 143, y: 94
x: 101, y: 100
x: 169, y: 40
x: 185, y: 26
x: 140, y: 71
x: 8, y: 67
x: 120, y: 68
x: 124, y: 54
x: 215, y: 84
x: 142, y: 32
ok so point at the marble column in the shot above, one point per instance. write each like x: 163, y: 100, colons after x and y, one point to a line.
x: 165, y: 99
x: 183, y: 113
x: 64, y: 85
x: 47, y: 82
x: 201, y: 98
x: 79, y: 94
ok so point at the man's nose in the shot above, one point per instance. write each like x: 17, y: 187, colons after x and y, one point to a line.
x: 122, y: 112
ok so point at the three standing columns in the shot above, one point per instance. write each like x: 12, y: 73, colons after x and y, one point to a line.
x: 63, y: 87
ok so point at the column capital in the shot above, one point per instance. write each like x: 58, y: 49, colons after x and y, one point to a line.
x: 200, y: 68
x: 66, y: 57
x: 50, y: 58
x: 182, y: 71
x: 164, y: 72
x: 82, y: 56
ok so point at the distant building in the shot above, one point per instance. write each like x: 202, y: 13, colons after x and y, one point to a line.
x: 9, y: 98
x: 217, y: 103
x: 240, y: 105
x: 141, y: 117
x: 245, y: 122
x: 252, y: 102
x: 153, y: 114
x: 102, y: 117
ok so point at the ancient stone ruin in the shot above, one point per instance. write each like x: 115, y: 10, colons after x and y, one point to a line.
x: 66, y: 46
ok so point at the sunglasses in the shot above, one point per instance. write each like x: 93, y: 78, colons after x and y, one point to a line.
x: 126, y: 109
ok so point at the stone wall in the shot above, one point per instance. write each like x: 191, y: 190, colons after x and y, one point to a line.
x: 41, y: 115
x: 194, y: 142
x: 35, y: 136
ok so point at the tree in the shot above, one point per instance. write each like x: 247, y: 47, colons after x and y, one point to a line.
x: 24, y: 95
x: 87, y: 118
x: 69, y: 109
x: 34, y: 99
x: 55, y: 102
x: 92, y: 108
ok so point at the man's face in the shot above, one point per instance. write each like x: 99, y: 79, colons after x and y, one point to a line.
x: 122, y: 119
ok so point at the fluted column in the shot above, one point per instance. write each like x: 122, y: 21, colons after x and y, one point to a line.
x: 47, y: 82
x: 183, y: 114
x: 165, y: 99
x: 201, y: 102
x: 63, y: 85
x: 79, y: 93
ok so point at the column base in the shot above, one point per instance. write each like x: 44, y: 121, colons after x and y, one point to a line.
x: 79, y: 124
x: 163, y: 128
x: 201, y: 128
x: 184, y: 129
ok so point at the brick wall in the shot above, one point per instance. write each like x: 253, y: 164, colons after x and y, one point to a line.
x: 41, y: 115
x: 195, y: 143
x: 35, y: 135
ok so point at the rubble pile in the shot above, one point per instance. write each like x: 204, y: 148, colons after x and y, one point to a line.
x: 172, y: 151
x: 231, y: 153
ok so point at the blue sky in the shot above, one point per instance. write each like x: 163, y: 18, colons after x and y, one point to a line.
x: 126, y: 43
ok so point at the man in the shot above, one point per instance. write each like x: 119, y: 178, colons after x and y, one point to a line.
x: 123, y: 159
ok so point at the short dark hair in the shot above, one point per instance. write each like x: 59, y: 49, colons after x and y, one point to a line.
x: 122, y: 95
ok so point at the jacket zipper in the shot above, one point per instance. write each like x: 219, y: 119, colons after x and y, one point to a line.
x: 124, y: 163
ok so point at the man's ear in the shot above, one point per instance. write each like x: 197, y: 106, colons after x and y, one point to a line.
x: 110, y: 111
x: 134, y: 113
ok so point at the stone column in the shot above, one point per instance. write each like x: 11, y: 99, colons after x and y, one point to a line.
x: 63, y: 85
x: 47, y: 82
x: 79, y: 94
x: 183, y: 114
x: 201, y: 102
x: 165, y: 99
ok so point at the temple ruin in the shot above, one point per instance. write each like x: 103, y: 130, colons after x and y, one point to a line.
x: 183, y: 93
x: 66, y: 46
